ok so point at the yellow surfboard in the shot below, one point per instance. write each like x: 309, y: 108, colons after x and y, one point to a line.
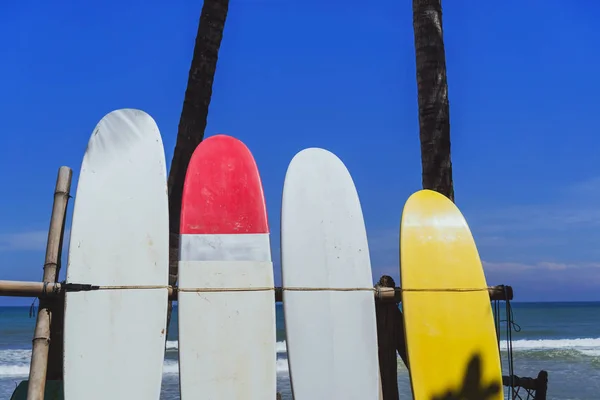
x: 448, y: 320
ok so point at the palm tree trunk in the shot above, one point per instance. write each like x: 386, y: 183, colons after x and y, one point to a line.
x: 434, y: 118
x: 193, y: 117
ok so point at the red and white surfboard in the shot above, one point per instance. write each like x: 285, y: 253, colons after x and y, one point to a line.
x: 227, y: 335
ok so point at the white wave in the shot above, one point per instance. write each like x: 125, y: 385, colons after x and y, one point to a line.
x: 590, y: 352
x: 172, y: 345
x: 281, y: 347
x: 10, y: 356
x: 587, y: 346
x: 170, y: 367
x: 14, y: 370
x: 15, y: 362
x: 282, y: 366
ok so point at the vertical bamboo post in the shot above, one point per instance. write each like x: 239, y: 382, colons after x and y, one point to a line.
x: 57, y: 322
x: 388, y: 368
x: 55, y: 353
x: 41, y: 336
x: 390, y: 338
x: 400, y: 335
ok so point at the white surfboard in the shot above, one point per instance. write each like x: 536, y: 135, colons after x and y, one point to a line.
x: 331, y: 335
x: 227, y: 342
x: 115, y: 339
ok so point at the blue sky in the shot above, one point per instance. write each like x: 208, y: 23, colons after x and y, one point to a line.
x: 335, y: 74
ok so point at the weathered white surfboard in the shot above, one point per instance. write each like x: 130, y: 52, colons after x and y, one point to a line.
x: 114, y: 339
x: 331, y: 335
x: 226, y: 338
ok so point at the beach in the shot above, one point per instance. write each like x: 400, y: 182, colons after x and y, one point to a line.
x: 561, y: 338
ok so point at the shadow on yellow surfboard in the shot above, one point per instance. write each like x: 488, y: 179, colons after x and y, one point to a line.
x: 448, y: 321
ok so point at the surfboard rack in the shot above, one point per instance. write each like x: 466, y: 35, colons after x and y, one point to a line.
x: 53, y: 289
x: 47, y: 355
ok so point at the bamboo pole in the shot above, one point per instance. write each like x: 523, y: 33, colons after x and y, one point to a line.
x: 27, y: 289
x: 382, y: 294
x: 41, y: 335
x: 56, y: 350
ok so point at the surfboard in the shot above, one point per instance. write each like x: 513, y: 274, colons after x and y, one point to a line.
x: 448, y: 320
x: 331, y: 335
x: 227, y: 342
x: 114, y: 339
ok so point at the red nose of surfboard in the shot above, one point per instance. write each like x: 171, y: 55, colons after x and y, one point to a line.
x: 223, y: 193
x: 223, y: 211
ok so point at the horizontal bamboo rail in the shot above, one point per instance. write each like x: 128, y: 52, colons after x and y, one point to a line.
x: 41, y: 289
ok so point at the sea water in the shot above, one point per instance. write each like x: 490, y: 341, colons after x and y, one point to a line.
x: 561, y: 338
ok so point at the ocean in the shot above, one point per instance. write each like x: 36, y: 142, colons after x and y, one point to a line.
x: 561, y: 338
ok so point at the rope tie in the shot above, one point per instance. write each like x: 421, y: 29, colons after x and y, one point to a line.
x: 129, y: 287
x: 44, y: 338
